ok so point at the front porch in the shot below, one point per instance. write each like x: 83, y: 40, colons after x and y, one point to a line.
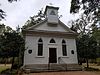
x: 51, y: 67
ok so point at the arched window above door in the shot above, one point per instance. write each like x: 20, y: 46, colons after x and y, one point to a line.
x: 52, y: 41
x: 40, y: 40
x: 63, y: 42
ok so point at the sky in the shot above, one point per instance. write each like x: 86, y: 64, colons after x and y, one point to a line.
x: 19, y: 12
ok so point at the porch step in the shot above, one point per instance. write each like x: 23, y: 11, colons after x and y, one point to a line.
x: 51, y: 67
x: 57, y: 67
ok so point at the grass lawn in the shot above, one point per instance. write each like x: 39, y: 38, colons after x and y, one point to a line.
x: 92, y: 65
x: 3, y: 67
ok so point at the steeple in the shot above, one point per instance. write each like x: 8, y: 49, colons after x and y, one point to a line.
x: 51, y: 14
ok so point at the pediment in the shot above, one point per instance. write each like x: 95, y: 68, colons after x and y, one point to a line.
x: 60, y: 27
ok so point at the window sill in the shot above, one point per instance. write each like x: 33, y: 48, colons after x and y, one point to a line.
x: 39, y: 56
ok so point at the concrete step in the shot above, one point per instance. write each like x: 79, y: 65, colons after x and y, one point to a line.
x: 52, y: 67
x: 56, y: 67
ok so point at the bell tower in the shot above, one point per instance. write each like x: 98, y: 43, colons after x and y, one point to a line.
x: 51, y: 14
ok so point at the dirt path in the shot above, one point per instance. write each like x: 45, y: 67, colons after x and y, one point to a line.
x: 66, y: 73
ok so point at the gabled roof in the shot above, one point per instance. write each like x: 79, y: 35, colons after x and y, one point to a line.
x: 46, y: 27
x: 32, y: 28
x: 66, y: 27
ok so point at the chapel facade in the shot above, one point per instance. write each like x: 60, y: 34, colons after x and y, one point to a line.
x: 50, y: 44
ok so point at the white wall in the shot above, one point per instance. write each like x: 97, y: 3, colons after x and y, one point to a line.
x: 32, y: 43
x: 47, y: 27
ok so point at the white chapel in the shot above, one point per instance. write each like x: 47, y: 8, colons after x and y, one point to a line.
x: 50, y: 44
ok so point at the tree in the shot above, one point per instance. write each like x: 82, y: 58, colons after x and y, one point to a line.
x: 86, y: 42
x: 11, y: 45
x: 2, y: 14
x: 89, y: 7
x: 4, y: 28
x: 96, y: 35
x: 86, y: 48
x: 96, y: 32
x: 82, y: 25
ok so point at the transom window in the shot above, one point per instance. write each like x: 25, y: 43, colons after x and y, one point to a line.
x: 40, y: 47
x: 64, y: 50
x: 52, y: 41
x: 63, y: 42
x: 40, y: 40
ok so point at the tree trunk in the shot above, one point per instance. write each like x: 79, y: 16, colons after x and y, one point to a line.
x: 87, y: 63
x: 6, y: 61
x: 12, y: 63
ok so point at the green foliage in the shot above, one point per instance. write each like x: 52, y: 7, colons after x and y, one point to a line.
x: 86, y: 47
x: 2, y: 14
x: 82, y: 24
x: 11, y: 44
x: 90, y: 7
x: 87, y: 5
x: 96, y: 35
x: 74, y: 6
x: 88, y: 41
x: 96, y: 32
x: 89, y: 38
x: 4, y: 28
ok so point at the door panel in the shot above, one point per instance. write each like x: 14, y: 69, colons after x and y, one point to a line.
x: 52, y: 55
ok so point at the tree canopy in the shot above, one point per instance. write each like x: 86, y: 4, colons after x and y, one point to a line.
x: 11, y: 43
x: 87, y: 25
x: 89, y: 7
